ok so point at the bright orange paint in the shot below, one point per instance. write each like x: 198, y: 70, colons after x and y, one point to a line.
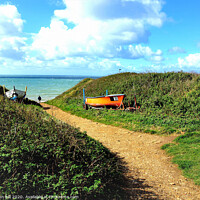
x: 114, y: 100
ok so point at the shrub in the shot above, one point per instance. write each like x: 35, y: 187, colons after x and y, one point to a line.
x: 40, y: 156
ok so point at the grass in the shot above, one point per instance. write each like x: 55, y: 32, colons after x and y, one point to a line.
x: 170, y: 104
x: 185, y: 152
x: 42, y: 156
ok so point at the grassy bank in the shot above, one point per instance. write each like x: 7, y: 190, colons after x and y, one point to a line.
x: 41, y: 156
x: 170, y: 104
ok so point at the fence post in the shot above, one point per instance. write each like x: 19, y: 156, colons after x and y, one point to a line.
x: 83, y: 96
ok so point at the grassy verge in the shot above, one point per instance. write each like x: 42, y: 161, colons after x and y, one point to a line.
x: 41, y: 156
x: 170, y: 104
x: 185, y: 152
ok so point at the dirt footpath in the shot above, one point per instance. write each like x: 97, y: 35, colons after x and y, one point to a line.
x: 152, y: 174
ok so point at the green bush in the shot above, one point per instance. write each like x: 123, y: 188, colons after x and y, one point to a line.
x: 40, y: 156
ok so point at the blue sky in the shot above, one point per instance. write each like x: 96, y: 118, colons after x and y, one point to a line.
x: 87, y: 37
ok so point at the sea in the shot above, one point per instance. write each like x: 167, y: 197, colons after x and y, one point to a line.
x: 45, y: 86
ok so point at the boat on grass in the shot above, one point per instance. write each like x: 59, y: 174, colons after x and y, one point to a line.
x: 14, y: 94
x: 108, y: 101
x: 112, y: 101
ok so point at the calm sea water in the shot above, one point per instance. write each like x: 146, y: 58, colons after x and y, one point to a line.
x: 48, y: 87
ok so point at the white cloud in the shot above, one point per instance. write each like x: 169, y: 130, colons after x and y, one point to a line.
x: 11, y: 22
x: 148, y: 11
x: 191, y: 62
x: 12, y: 47
x: 140, y: 51
x: 87, y: 34
x: 99, y: 27
x: 105, y: 65
x: 11, y: 43
x: 176, y: 50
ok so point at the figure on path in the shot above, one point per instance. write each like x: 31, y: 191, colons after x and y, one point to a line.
x: 39, y: 99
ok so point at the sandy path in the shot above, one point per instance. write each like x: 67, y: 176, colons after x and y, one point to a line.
x: 153, y: 175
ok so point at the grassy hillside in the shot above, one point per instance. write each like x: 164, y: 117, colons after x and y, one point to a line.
x: 170, y: 104
x: 41, y: 156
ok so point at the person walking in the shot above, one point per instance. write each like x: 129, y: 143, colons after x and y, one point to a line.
x: 39, y: 99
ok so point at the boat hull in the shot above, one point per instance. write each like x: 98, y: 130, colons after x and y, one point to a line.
x: 20, y: 94
x: 108, y: 101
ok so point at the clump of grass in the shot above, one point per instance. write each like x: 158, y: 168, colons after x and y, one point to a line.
x: 41, y: 156
x: 185, y: 152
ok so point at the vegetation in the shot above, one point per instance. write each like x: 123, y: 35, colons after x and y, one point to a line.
x: 186, y: 154
x: 170, y: 104
x: 1, y: 90
x: 42, y: 156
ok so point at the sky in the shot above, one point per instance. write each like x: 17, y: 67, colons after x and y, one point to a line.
x: 99, y: 37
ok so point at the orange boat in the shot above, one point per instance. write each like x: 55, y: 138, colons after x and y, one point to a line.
x: 110, y: 101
